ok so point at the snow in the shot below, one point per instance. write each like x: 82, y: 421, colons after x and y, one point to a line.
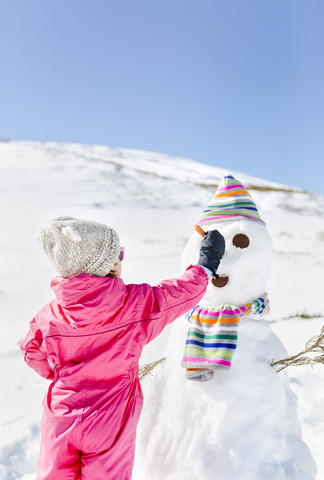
x: 153, y: 200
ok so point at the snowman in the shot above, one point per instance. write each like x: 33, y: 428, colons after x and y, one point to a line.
x: 240, y: 419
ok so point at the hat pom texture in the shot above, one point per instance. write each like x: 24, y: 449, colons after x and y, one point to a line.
x: 77, y: 246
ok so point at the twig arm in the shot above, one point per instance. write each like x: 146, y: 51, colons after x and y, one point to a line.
x: 314, y: 345
x: 146, y: 369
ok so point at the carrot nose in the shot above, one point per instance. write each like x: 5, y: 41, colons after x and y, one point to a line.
x: 202, y: 232
x: 199, y: 230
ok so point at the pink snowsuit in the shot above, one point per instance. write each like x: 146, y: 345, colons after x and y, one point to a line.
x: 93, y: 333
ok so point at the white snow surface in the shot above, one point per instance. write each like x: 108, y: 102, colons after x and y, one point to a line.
x: 153, y: 201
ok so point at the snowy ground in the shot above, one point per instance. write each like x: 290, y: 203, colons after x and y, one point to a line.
x: 152, y: 200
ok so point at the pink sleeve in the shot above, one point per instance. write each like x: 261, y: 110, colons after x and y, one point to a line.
x: 34, y: 354
x: 170, y: 299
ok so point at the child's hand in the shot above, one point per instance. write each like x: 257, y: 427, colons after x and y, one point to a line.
x: 211, y: 250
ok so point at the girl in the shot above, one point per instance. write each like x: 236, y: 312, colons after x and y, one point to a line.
x: 88, y: 342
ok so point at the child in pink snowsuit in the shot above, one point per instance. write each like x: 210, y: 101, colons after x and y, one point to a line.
x: 88, y: 342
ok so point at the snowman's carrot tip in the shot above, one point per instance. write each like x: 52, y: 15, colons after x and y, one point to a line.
x: 199, y: 230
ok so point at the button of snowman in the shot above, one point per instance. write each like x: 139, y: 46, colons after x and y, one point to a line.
x: 213, y: 327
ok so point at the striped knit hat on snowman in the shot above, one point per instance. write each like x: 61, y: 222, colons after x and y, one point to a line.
x: 77, y: 246
x: 231, y: 201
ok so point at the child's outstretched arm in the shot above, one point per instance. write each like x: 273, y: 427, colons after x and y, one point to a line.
x: 174, y: 297
x: 32, y: 349
x: 170, y: 299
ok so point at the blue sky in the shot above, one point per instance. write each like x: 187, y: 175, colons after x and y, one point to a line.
x: 236, y: 84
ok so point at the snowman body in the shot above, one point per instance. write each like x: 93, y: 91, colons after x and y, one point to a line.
x: 243, y: 422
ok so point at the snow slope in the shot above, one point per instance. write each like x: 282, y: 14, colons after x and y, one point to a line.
x: 152, y: 200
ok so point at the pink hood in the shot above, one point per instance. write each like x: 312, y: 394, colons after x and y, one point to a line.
x: 89, y: 301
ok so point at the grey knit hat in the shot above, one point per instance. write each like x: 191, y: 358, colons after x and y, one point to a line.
x: 78, y: 246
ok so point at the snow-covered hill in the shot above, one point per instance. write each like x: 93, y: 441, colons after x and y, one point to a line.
x: 152, y: 200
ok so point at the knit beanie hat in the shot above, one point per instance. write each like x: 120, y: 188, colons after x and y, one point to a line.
x: 78, y: 246
x: 231, y: 201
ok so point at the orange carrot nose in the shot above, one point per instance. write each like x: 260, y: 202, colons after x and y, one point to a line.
x: 199, y: 230
x: 202, y: 232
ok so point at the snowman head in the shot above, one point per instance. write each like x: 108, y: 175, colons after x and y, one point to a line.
x: 245, y: 267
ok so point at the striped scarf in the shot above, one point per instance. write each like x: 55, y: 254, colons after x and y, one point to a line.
x: 212, y: 336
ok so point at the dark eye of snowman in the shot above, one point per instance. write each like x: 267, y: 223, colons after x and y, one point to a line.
x: 241, y: 241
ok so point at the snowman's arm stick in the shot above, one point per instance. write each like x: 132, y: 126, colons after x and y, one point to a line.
x: 314, y: 345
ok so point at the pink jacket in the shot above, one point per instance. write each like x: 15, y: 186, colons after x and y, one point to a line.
x: 93, y: 334
x: 97, y: 327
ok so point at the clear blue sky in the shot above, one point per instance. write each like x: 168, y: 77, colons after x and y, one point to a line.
x: 237, y: 84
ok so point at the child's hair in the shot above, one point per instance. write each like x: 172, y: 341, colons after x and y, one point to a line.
x: 78, y: 246
x: 112, y: 273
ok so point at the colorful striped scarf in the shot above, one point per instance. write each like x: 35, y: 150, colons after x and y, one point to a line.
x: 212, y: 336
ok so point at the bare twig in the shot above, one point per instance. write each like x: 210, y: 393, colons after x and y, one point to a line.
x: 146, y: 369
x: 306, y: 357
x: 304, y: 315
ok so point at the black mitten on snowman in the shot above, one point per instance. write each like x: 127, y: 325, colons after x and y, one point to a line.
x: 211, y: 251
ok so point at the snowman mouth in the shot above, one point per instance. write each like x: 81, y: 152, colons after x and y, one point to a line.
x: 220, y: 281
